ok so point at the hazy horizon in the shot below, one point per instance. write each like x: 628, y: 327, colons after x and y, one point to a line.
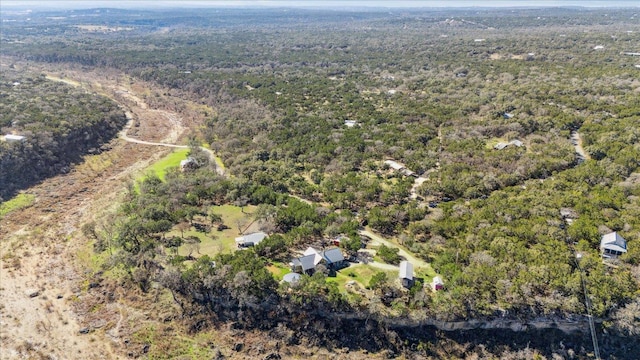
x: 335, y: 4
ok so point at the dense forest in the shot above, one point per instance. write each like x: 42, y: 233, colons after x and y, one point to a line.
x: 59, y: 124
x: 488, y: 109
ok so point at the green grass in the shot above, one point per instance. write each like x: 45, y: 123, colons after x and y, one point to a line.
x: 279, y: 270
x: 217, y: 242
x: 361, y: 273
x: 219, y: 163
x: 21, y: 201
x: 161, y: 166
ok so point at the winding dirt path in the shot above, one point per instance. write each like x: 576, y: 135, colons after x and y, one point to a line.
x: 576, y: 140
x: 123, y: 135
x: 43, y: 285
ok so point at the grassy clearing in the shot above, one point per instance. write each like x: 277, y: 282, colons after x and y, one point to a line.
x: 20, y: 201
x: 161, y: 166
x: 361, y: 273
x: 217, y: 242
x: 278, y: 269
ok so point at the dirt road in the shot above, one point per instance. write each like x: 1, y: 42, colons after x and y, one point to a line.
x: 576, y: 140
x: 42, y: 283
x: 377, y: 240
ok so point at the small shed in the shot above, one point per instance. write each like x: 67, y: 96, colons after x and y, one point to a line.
x: 250, y: 239
x: 406, y: 274
x: 291, y: 278
x: 437, y: 283
x: 14, y: 138
x: 350, y: 123
x: 612, y: 245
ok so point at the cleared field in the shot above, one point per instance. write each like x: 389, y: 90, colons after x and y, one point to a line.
x: 217, y: 242
x: 172, y: 160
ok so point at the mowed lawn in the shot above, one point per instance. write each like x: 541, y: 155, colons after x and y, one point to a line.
x: 361, y: 273
x: 217, y: 242
x: 161, y: 166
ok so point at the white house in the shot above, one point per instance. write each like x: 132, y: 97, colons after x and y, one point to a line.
x: 350, y: 123
x: 437, y: 283
x: 250, y: 239
x: 612, y: 245
x: 11, y: 137
x: 406, y: 274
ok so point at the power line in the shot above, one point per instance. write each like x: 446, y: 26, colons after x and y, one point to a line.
x: 587, y: 303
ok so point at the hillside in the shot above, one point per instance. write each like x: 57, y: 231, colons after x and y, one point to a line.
x: 56, y: 125
x: 491, y: 149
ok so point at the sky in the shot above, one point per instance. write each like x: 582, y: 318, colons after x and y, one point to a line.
x: 83, y: 4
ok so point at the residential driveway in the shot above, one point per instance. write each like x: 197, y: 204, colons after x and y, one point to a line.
x: 377, y: 240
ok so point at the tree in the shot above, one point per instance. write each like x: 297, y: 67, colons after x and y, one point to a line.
x: 378, y: 280
x: 389, y: 254
x: 351, y: 244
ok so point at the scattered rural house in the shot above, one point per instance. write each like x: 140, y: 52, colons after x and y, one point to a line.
x: 631, y: 53
x: 188, y: 164
x: 399, y: 168
x: 14, y: 138
x: 332, y: 258
x: 598, y: 47
x: 317, y: 258
x: 501, y: 145
x: 569, y: 215
x: 437, y: 283
x: 249, y: 240
x: 612, y: 245
x: 303, y: 265
x: 291, y: 278
x: 507, y: 115
x: 406, y: 274
x: 479, y: 40
x: 350, y: 123
x: 392, y: 92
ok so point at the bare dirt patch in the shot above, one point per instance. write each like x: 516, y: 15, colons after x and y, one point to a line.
x: 42, y: 283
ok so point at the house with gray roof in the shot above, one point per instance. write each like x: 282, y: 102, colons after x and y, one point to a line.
x: 406, y: 274
x: 612, y: 245
x: 249, y: 240
x: 332, y: 259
